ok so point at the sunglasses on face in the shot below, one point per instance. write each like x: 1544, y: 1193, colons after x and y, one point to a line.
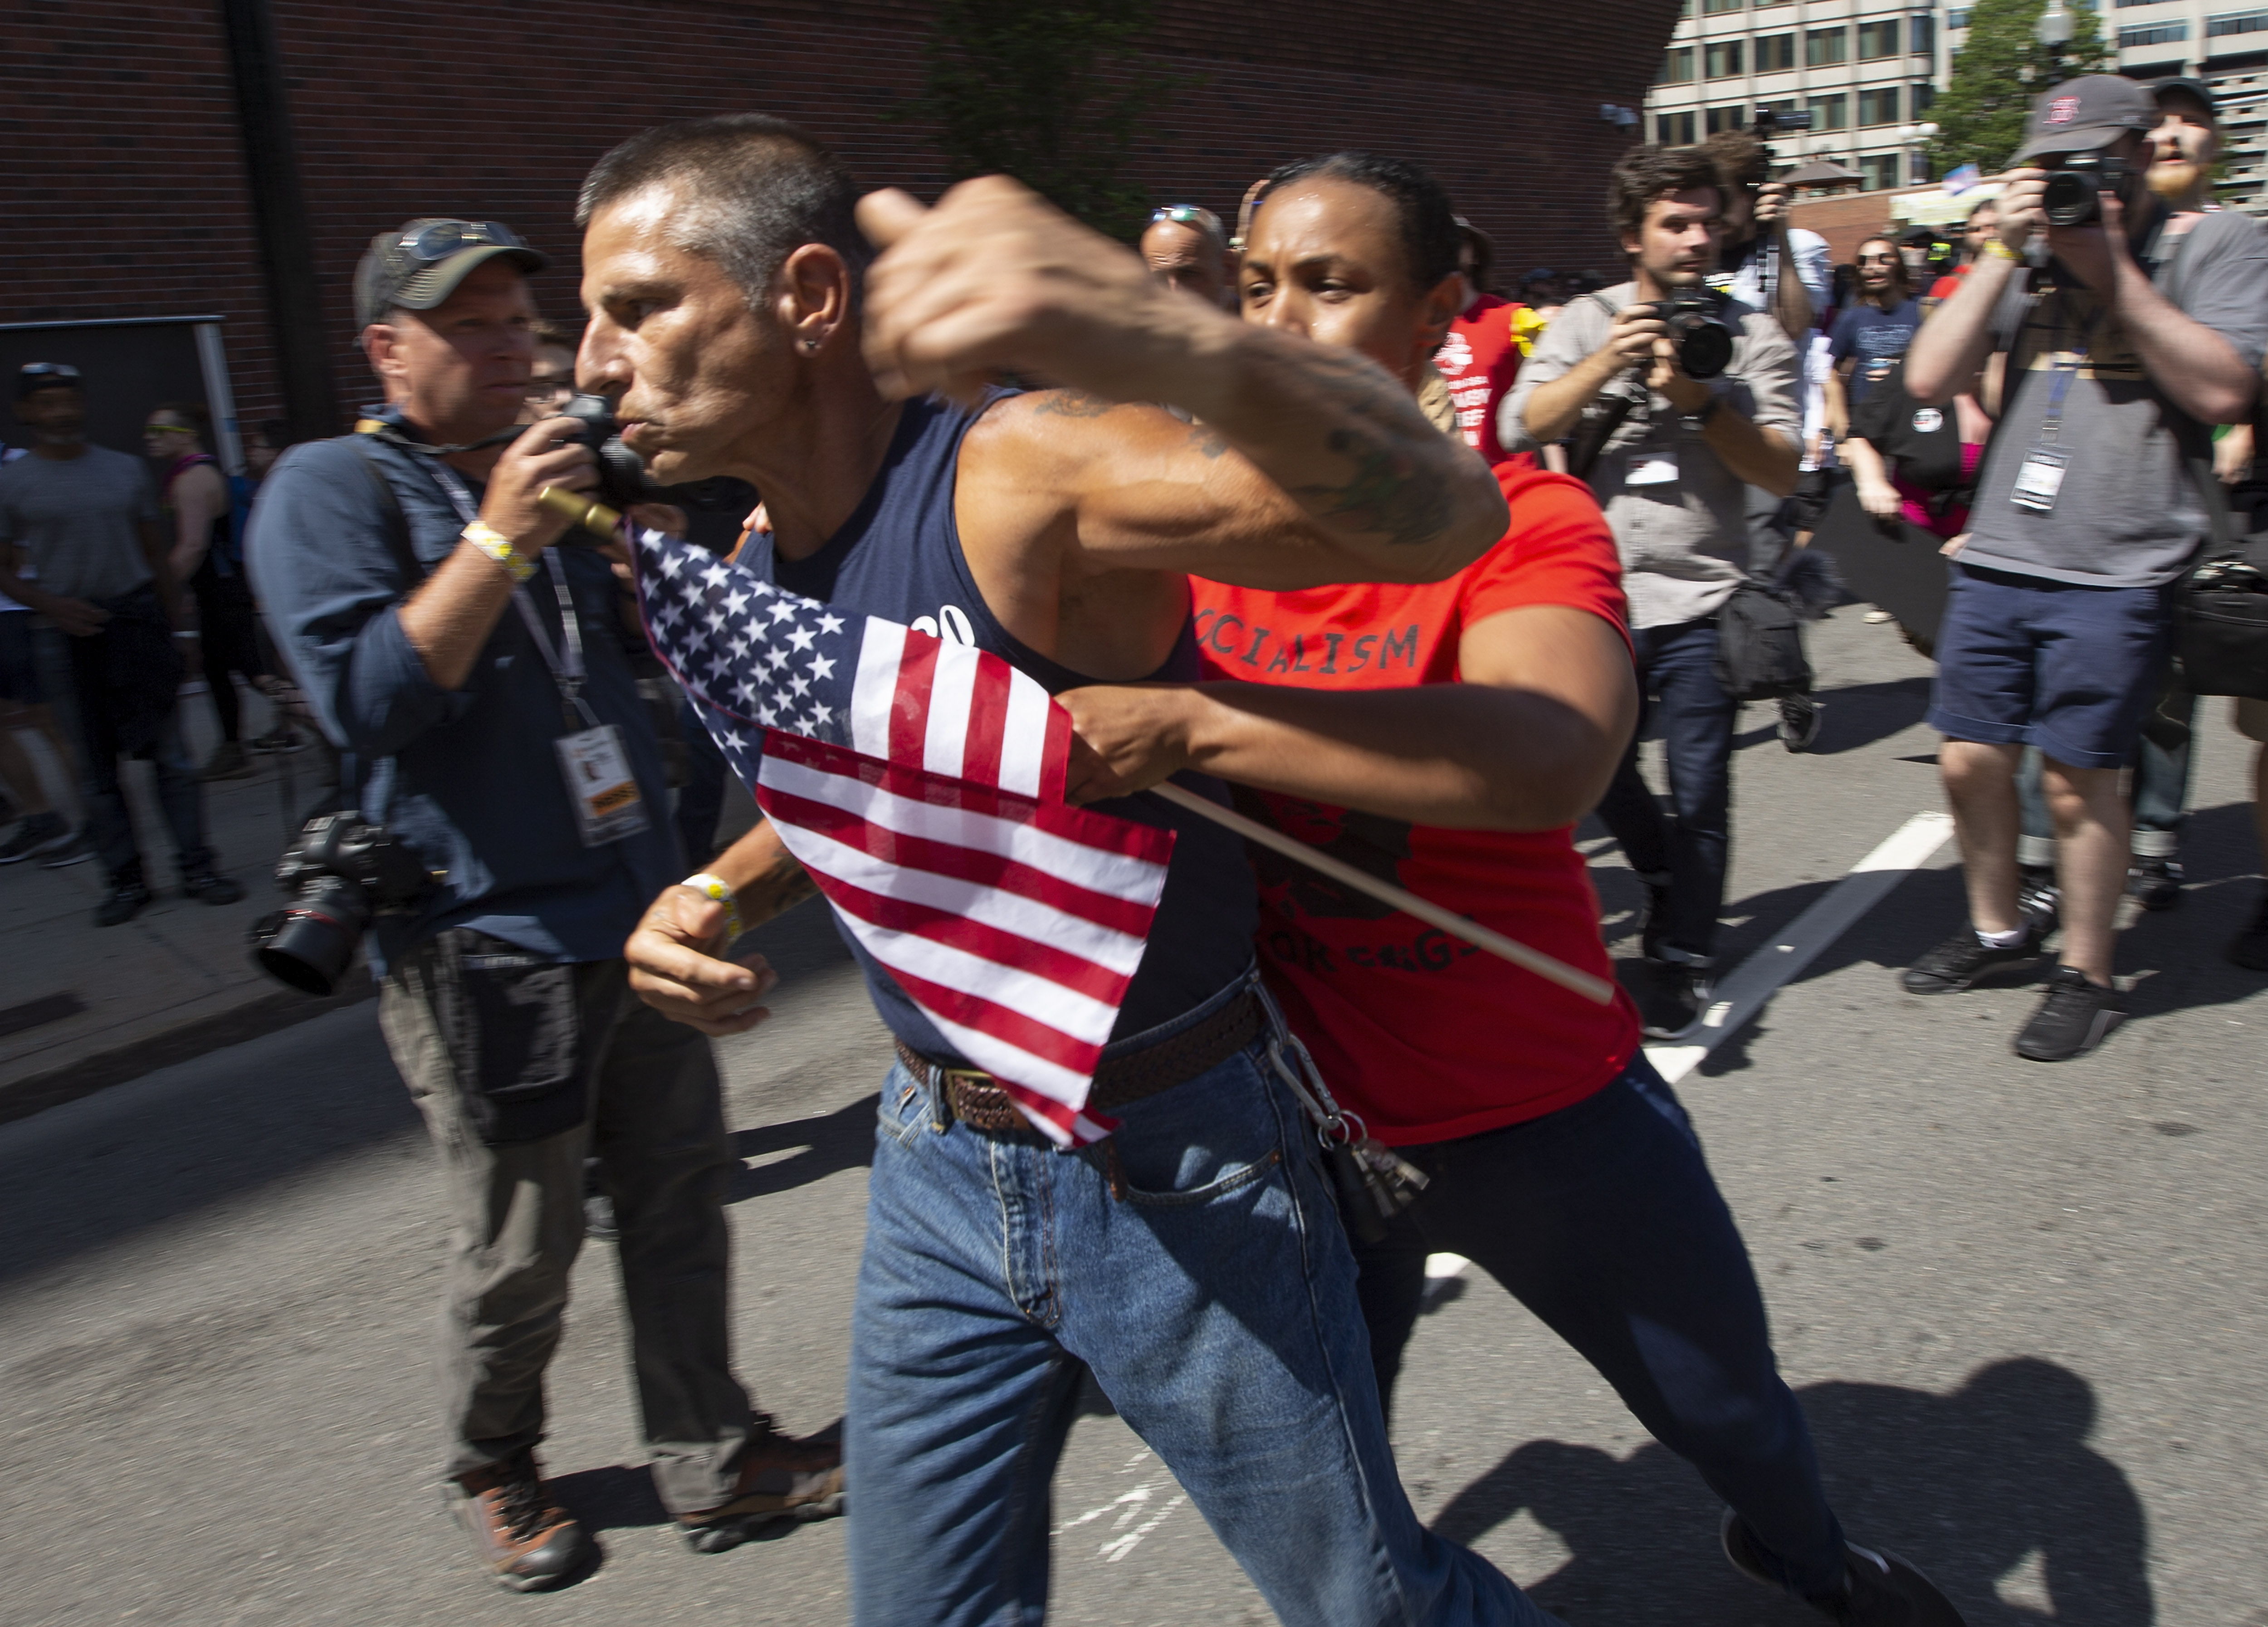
x: 166, y: 429
x: 431, y: 245
x: 1878, y: 260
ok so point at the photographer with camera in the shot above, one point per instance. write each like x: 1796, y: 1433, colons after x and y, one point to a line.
x: 2121, y: 345
x: 1765, y: 261
x: 1678, y: 400
x: 468, y: 666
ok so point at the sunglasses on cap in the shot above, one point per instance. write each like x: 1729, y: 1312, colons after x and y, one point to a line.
x: 1184, y: 214
x: 36, y: 373
x: 432, y: 244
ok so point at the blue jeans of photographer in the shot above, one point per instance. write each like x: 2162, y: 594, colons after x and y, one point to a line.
x: 1691, y: 846
x: 1194, y: 1265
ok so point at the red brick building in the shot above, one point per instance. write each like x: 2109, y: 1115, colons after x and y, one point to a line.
x: 125, y: 191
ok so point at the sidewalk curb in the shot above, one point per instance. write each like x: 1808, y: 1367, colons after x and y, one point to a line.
x: 265, y: 1013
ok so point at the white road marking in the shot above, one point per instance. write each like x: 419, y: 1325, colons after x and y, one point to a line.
x: 1131, y: 1506
x: 1756, y: 979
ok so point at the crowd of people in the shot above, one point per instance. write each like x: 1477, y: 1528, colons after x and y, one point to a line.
x: 1302, y: 516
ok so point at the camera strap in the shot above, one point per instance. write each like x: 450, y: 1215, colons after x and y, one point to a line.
x: 564, y: 660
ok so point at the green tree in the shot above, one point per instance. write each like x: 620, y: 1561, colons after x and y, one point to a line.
x: 1051, y: 93
x: 1980, y: 118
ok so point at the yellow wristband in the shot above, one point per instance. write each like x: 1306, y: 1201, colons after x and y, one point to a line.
x: 713, y: 888
x: 1996, y: 249
x: 498, y: 547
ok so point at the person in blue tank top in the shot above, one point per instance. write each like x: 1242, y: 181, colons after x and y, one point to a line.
x: 1191, y: 1262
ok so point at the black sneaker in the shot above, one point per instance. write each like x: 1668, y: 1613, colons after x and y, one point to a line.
x: 126, y: 900
x: 1800, y: 717
x: 2075, y: 1018
x: 2155, y: 883
x: 72, y: 850
x: 1672, y: 999
x: 209, y: 887
x: 1963, y: 958
x: 2038, y: 897
x: 1879, y: 1589
x: 40, y: 833
x: 2250, y: 947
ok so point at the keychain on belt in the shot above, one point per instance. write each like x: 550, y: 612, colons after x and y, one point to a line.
x: 1375, y: 1184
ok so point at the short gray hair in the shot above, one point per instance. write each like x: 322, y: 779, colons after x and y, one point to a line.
x: 752, y: 190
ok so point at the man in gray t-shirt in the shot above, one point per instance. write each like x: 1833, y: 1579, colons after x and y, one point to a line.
x: 80, y: 543
x: 2117, y: 354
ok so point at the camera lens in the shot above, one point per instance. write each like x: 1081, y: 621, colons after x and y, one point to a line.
x: 1704, y: 349
x: 310, y: 943
x: 2069, y: 199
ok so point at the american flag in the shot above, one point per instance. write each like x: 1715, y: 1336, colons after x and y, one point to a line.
x: 920, y: 783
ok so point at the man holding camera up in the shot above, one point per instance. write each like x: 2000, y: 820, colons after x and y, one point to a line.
x: 1669, y: 456
x: 2120, y: 350
x: 470, y: 666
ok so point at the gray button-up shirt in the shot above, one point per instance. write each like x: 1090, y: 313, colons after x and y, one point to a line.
x: 1684, y: 541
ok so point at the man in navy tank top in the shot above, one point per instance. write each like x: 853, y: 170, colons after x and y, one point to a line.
x: 1191, y: 1263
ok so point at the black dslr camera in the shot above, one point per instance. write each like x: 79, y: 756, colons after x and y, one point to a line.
x: 622, y: 478
x: 1702, y: 342
x: 2072, y: 195
x: 341, y: 872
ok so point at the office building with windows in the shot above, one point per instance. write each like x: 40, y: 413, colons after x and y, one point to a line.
x: 1867, y: 71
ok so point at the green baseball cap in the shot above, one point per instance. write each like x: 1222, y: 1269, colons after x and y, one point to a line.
x: 420, y: 265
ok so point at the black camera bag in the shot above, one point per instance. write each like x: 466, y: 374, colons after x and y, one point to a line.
x: 1760, y: 646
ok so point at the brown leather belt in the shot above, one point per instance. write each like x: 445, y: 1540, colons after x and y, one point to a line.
x: 978, y: 1100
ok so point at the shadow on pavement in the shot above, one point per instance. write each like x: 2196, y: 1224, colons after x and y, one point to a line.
x: 1992, y: 1491
x: 817, y: 1148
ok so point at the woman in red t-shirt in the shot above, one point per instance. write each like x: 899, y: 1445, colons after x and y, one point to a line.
x: 1446, y: 736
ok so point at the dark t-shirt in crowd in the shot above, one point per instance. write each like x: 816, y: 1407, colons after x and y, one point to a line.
x: 1922, y: 444
x: 1876, y: 337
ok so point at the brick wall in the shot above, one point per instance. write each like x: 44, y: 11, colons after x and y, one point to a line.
x: 123, y: 194
x: 1845, y: 220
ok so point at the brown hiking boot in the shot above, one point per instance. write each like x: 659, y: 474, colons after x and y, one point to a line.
x: 781, y: 1480
x: 528, y: 1541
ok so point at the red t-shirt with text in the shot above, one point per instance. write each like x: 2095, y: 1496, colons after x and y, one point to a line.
x: 1429, y: 1039
x: 1480, y: 360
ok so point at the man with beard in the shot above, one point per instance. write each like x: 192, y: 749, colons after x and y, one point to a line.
x: 1872, y: 333
x: 1191, y: 1262
x: 2121, y: 352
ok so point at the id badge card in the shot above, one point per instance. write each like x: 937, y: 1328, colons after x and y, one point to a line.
x: 600, y: 785
x: 2039, y: 480
x: 1652, y: 468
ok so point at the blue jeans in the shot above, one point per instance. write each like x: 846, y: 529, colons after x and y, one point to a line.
x: 1678, y: 682
x: 1602, y: 1220
x: 1194, y: 1263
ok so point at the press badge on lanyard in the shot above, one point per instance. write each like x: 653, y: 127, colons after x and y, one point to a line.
x: 2041, y: 475
x: 595, y: 768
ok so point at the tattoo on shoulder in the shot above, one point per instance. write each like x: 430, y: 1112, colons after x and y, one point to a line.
x: 1073, y: 404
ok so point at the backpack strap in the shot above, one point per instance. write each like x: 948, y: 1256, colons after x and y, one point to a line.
x: 397, y: 522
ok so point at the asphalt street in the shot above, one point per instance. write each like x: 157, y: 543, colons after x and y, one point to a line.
x: 2024, y: 1304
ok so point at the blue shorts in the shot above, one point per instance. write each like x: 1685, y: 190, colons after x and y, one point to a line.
x: 2025, y: 661
x: 19, y: 674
